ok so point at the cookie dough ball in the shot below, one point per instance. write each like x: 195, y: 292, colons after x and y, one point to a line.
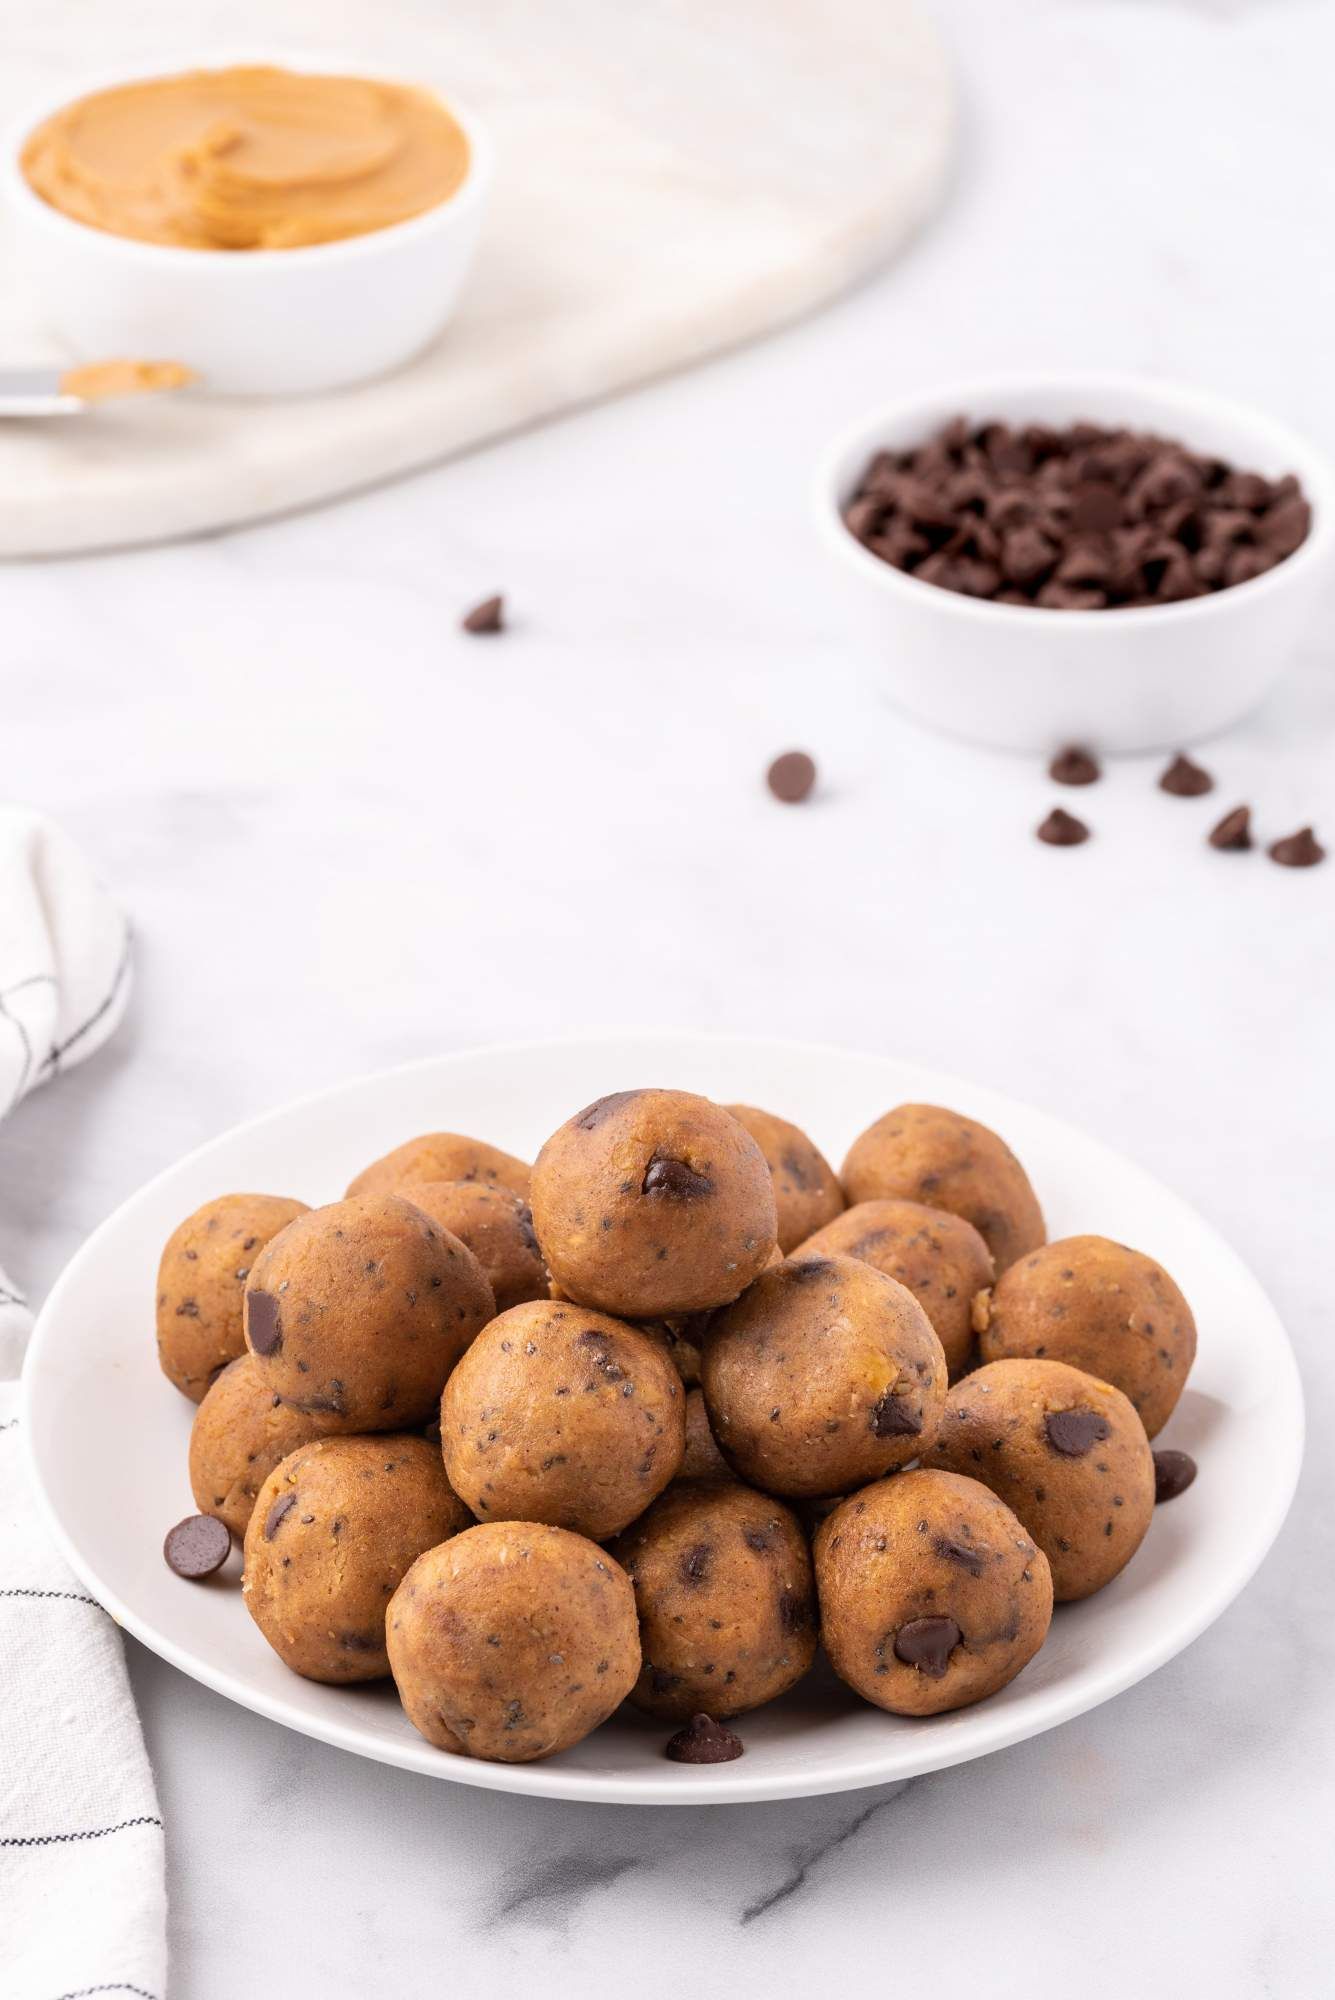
x: 563, y: 1415
x: 918, y: 1152
x: 1067, y: 1454
x: 931, y: 1593
x: 724, y: 1591
x: 513, y: 1641
x: 442, y: 1156
x: 823, y: 1376
x: 496, y: 1226
x: 334, y: 1528
x: 1098, y: 1306
x: 653, y: 1202
x: 241, y: 1431
x: 201, y: 1279
x: 701, y: 1458
x: 937, y: 1256
x: 806, y: 1193
x: 361, y: 1309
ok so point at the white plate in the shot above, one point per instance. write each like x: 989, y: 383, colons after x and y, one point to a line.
x: 109, y: 1436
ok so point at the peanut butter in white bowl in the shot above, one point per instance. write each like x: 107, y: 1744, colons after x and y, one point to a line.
x: 281, y: 228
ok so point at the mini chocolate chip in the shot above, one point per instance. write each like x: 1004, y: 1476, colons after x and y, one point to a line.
x: 927, y: 1644
x: 892, y: 1417
x: 1234, y: 831
x: 1063, y: 829
x: 695, y: 1563
x: 489, y: 616
x: 791, y: 777
x: 1173, y: 1474
x: 1298, y: 850
x: 675, y: 1180
x: 1074, y: 767
x: 1185, y: 780
x: 1095, y: 508
x: 278, y: 1513
x: 1074, y: 1432
x: 703, y: 1741
x: 263, y: 1327
x: 974, y: 1560
x: 197, y: 1546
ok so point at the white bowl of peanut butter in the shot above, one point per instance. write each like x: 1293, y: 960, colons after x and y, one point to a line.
x: 277, y: 229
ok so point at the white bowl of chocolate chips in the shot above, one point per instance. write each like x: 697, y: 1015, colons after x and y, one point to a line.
x: 1093, y: 558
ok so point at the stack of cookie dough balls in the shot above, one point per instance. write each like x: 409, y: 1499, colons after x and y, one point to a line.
x: 653, y: 1420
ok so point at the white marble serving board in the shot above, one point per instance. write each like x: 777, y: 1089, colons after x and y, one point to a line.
x: 671, y: 180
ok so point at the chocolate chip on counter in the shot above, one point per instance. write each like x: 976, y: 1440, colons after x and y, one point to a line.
x: 197, y: 1546
x: 1185, y: 780
x: 791, y: 777
x: 1234, y: 831
x: 1063, y: 829
x: 703, y: 1741
x: 1074, y: 766
x: 489, y: 616
x: 927, y: 1644
x: 674, y: 1179
x: 1173, y: 1474
x: 1298, y: 850
x: 263, y: 1327
x: 1074, y: 1432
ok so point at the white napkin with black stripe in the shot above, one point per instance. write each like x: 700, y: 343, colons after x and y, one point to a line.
x: 82, y: 1895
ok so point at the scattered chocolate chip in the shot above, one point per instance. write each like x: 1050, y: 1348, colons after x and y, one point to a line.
x: 279, y: 1512
x: 675, y: 1180
x: 1074, y: 767
x: 695, y: 1563
x: 1074, y: 1432
x: 197, y: 1546
x: 927, y: 1644
x: 1173, y: 1474
x: 1185, y: 780
x: 703, y: 1741
x: 263, y: 1328
x: 1234, y: 831
x: 974, y: 1560
x: 891, y: 1416
x: 791, y: 777
x: 489, y: 616
x: 1298, y: 850
x: 1063, y: 829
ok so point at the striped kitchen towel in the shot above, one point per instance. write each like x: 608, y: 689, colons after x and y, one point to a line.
x: 82, y: 1895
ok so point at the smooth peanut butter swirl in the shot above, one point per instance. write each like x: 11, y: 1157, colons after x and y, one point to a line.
x: 248, y: 158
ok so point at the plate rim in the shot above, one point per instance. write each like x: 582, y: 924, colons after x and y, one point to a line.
x: 675, y: 1785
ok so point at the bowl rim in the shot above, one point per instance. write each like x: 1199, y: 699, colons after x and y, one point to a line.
x: 1314, y: 471
x: 346, y: 249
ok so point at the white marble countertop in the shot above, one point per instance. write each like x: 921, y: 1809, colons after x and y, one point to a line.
x: 349, y: 835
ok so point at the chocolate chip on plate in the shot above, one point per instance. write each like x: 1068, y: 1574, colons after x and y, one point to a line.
x: 1074, y: 1432
x: 791, y: 776
x: 489, y: 616
x: 1074, y: 766
x: 1298, y: 850
x: 1234, y: 832
x: 1173, y: 1474
x: 927, y: 1644
x: 1185, y: 780
x: 197, y: 1546
x: 703, y: 1741
x: 1063, y: 829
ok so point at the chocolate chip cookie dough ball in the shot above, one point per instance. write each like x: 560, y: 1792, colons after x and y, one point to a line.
x: 822, y: 1376
x: 806, y: 1193
x: 240, y: 1433
x: 931, y: 1593
x: 1098, y: 1306
x: 937, y: 1256
x: 563, y: 1415
x: 442, y: 1156
x: 1067, y: 1454
x: 513, y: 1641
x: 334, y: 1528
x: 200, y: 1281
x: 361, y: 1309
x: 919, y: 1152
x: 651, y: 1203
x: 701, y: 1458
x: 724, y: 1591
x: 496, y: 1226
